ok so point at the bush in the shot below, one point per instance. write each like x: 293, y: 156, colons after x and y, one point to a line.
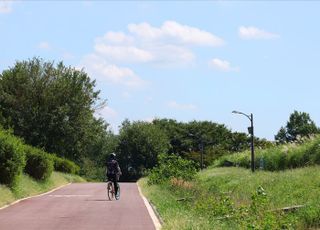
x: 12, y: 158
x: 38, y: 164
x: 171, y: 166
x: 64, y: 165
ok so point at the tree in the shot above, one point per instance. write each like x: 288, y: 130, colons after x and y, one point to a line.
x: 299, y: 124
x: 50, y: 106
x: 140, y: 143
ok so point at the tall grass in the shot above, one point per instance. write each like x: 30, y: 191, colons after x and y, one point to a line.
x: 280, y: 157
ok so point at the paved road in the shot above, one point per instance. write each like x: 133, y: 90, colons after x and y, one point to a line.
x: 82, y: 206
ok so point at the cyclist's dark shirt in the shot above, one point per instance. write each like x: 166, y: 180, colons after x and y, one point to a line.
x: 112, y: 167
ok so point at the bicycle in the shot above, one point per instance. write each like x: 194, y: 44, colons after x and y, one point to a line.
x: 111, y: 191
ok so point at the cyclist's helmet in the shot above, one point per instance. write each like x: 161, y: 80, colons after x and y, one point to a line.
x: 113, y: 156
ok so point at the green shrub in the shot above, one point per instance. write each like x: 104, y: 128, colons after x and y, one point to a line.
x: 38, y: 164
x: 171, y: 166
x: 64, y: 165
x: 12, y: 158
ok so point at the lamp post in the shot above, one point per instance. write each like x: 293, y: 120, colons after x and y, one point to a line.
x: 201, y: 147
x: 250, y: 129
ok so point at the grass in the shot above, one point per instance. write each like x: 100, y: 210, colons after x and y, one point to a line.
x: 279, y: 157
x: 29, y: 187
x: 235, y: 198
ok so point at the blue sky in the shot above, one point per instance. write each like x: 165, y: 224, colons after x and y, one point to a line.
x: 182, y: 60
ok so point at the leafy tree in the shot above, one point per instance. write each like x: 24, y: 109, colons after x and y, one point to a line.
x: 100, y: 142
x: 50, y: 106
x: 140, y: 143
x: 299, y: 124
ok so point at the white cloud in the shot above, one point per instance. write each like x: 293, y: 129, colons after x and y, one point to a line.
x: 44, y: 45
x: 175, y: 32
x: 123, y: 53
x: 115, y: 37
x: 5, y: 6
x: 107, y: 113
x: 102, y: 70
x: 222, y: 65
x: 169, y: 44
x: 255, y: 33
x: 172, y: 55
x: 175, y: 105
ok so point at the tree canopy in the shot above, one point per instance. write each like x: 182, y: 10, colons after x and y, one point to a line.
x: 49, y: 106
x: 299, y: 124
x: 140, y: 143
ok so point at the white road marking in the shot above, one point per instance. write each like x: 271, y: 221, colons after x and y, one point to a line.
x: 153, y: 216
x: 69, y: 195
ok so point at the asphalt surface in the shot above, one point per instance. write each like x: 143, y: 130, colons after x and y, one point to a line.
x: 82, y: 206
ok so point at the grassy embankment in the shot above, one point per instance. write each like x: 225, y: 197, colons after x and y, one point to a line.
x: 29, y: 187
x: 236, y: 198
x: 230, y: 198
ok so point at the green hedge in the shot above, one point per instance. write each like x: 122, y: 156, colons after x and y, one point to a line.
x: 16, y: 157
x: 12, y: 158
x: 64, y: 165
x: 39, y: 164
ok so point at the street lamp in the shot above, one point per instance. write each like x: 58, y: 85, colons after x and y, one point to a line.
x: 201, y: 148
x: 250, y: 129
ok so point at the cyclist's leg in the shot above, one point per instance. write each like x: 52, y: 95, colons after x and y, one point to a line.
x: 115, y: 184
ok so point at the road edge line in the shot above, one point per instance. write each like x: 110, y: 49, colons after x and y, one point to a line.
x: 151, y: 210
x: 29, y: 197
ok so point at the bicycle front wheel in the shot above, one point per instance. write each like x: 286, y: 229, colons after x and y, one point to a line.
x: 110, y: 191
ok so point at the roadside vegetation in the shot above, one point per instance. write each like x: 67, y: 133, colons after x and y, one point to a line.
x: 28, y: 186
x: 301, y: 153
x: 234, y: 198
x: 284, y: 195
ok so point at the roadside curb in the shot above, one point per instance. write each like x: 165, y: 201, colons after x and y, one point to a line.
x: 157, y: 221
x: 29, y: 197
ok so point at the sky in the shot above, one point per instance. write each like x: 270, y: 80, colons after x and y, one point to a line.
x: 184, y: 60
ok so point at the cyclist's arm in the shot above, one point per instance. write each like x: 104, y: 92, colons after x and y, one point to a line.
x: 118, y: 169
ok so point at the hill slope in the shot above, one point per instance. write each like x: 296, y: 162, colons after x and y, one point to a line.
x: 235, y: 198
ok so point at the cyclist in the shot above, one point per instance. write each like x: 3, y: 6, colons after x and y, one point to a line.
x: 113, y: 172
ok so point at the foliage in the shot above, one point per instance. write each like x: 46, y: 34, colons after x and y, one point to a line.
x: 49, y: 106
x: 92, y: 171
x: 171, y: 166
x: 103, y: 143
x: 65, y: 165
x: 12, y: 158
x: 279, y: 157
x: 299, y: 125
x: 140, y: 143
x: 188, y: 139
x: 39, y: 164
